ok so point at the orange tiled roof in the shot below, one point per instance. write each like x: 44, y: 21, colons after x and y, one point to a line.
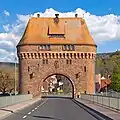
x: 105, y: 82
x: 75, y: 31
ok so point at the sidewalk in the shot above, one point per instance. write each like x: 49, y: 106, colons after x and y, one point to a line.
x: 16, y: 107
x: 106, y: 111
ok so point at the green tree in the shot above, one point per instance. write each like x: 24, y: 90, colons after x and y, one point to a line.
x: 115, y: 85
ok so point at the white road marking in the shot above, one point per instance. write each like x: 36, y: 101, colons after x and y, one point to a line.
x: 24, y: 116
x: 35, y: 109
x: 43, y: 102
x: 29, y: 113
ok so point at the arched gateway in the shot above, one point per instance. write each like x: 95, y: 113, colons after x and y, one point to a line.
x: 56, y: 46
x: 68, y: 78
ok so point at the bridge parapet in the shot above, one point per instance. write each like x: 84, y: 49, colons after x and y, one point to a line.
x: 107, y: 101
x: 10, y: 100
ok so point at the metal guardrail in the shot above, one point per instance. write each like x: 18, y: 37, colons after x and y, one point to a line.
x: 111, y: 102
x: 9, y: 100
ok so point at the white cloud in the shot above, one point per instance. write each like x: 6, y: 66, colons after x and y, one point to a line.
x: 102, y: 28
x: 6, y: 27
x: 6, y: 13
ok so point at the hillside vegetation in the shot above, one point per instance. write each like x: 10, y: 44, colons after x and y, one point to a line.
x: 109, y: 64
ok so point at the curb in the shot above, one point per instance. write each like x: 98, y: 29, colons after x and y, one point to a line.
x: 95, y: 113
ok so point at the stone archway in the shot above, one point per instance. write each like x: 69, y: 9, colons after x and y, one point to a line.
x: 68, y: 78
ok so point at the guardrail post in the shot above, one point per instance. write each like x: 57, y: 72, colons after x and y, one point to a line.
x: 102, y: 100
x: 118, y: 103
x: 109, y: 101
x: 97, y: 99
x: 93, y: 98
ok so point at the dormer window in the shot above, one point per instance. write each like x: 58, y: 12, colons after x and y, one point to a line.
x: 44, y: 47
x: 68, y: 47
x: 56, y: 35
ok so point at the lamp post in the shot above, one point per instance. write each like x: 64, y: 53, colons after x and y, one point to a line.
x: 15, y: 76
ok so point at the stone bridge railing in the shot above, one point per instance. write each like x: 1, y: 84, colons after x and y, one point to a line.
x: 108, y: 101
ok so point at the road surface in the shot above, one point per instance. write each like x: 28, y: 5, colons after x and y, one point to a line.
x: 52, y: 109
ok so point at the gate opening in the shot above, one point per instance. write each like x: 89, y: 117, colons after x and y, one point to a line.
x: 58, y: 85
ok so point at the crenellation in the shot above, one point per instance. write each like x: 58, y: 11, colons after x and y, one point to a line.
x: 66, y: 55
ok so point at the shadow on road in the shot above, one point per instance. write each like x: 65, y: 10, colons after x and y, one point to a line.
x: 47, y: 117
x: 21, y: 114
x: 63, y: 97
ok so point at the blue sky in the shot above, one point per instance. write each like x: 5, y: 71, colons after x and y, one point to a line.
x: 29, y: 6
x: 102, y: 18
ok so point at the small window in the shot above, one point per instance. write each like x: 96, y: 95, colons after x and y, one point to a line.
x: 84, y: 68
x: 31, y: 75
x: 44, y: 47
x: 77, y: 75
x: 38, y: 65
x: 39, y: 55
x: 68, y: 61
x: 56, y: 35
x: 45, y: 61
x: 68, y: 47
x: 28, y: 69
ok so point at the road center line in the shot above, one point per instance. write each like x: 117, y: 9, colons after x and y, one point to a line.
x: 35, y: 108
x: 24, y: 116
x: 43, y: 102
x: 29, y: 113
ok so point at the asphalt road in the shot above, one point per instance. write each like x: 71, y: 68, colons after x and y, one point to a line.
x: 52, y: 109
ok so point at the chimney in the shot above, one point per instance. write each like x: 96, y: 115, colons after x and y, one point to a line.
x: 56, y: 15
x: 56, y: 19
x: 76, y: 15
x: 38, y: 15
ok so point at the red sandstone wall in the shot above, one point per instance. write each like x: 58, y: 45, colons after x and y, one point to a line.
x: 83, y: 82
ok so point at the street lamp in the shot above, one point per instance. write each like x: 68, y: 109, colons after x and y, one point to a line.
x: 15, y: 76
